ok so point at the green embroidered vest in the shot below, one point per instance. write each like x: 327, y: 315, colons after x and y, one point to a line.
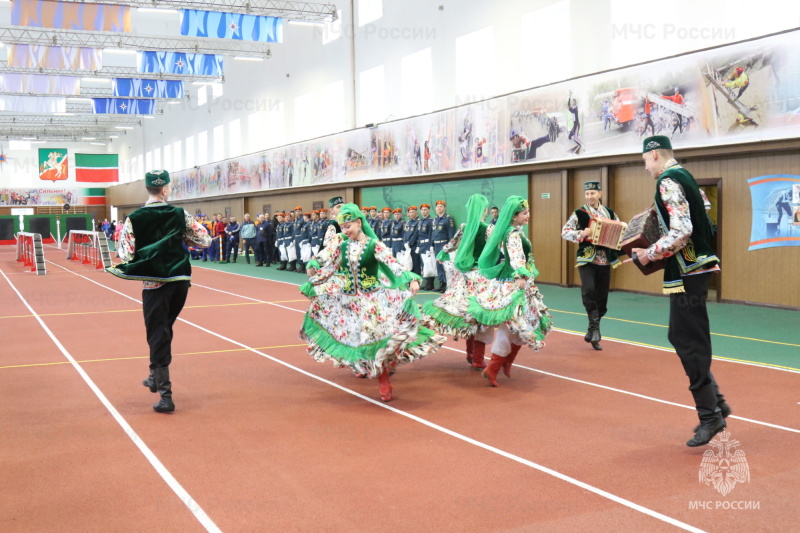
x: 159, y: 255
x: 507, y: 272
x: 586, y: 250
x: 366, y: 278
x: 697, y: 254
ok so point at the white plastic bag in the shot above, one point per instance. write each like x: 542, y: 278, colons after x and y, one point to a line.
x: 305, y: 252
x: 291, y: 251
x: 428, y: 265
x: 284, y: 255
x: 405, y: 260
x: 315, y: 249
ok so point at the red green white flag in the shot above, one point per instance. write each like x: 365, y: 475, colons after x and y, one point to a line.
x: 97, y: 168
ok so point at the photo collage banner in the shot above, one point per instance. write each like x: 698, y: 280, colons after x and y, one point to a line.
x: 735, y: 94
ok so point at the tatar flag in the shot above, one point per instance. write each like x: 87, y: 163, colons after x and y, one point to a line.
x: 97, y: 168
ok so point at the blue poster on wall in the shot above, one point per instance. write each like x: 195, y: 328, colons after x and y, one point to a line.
x: 776, y: 211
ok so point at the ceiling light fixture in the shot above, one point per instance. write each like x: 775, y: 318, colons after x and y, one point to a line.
x: 242, y: 58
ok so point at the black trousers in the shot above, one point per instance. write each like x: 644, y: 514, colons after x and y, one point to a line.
x: 595, y: 280
x: 161, y: 308
x: 690, y: 335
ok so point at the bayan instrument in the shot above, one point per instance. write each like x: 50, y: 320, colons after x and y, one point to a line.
x: 606, y: 232
x: 642, y: 231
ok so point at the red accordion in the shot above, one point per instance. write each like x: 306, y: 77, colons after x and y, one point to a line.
x: 606, y: 232
x: 642, y: 231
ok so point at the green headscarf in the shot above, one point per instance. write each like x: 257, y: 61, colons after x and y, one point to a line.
x: 351, y: 212
x: 465, y: 258
x: 491, y: 253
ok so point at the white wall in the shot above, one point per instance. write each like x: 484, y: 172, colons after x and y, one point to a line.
x: 308, y: 88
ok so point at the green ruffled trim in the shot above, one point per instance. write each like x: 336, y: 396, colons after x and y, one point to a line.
x: 447, y: 320
x: 350, y: 355
x: 495, y: 317
x: 313, y: 264
x: 307, y: 289
x: 522, y: 272
x: 443, y: 256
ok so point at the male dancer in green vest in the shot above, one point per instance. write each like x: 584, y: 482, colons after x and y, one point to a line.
x: 151, y: 246
x: 594, y: 262
x: 685, y: 243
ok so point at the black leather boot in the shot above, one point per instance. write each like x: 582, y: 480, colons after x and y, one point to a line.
x: 711, y: 420
x: 283, y: 266
x: 164, y: 386
x: 724, y: 408
x: 594, y: 329
x: 150, y: 382
x: 290, y: 268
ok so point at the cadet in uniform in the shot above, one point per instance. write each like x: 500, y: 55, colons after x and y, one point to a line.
x: 425, y: 243
x: 298, y: 227
x: 386, y: 227
x: 411, y: 238
x: 444, y: 229
x: 397, y: 231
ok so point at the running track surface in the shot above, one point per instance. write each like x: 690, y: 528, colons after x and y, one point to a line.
x: 266, y: 439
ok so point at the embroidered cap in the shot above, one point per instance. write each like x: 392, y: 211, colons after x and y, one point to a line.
x: 156, y: 178
x: 592, y: 186
x: 657, y: 142
x: 336, y: 200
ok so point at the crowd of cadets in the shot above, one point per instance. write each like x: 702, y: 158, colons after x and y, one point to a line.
x: 292, y: 229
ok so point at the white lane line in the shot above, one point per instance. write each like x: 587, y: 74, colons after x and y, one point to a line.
x: 759, y: 422
x: 591, y: 488
x: 165, y: 474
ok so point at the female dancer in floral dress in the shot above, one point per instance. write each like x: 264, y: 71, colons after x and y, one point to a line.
x: 448, y: 313
x: 510, y: 299
x: 356, y: 318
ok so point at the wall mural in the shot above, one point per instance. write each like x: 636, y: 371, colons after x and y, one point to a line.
x: 739, y: 93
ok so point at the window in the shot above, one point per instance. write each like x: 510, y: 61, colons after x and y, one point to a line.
x: 177, y: 160
x: 369, y: 10
x: 235, y: 147
x: 474, y: 66
x: 190, y: 161
x: 331, y: 109
x: 168, y: 159
x: 219, y: 143
x: 216, y: 90
x: 157, y: 163
x: 417, y: 76
x: 332, y: 30
x: 203, y: 155
x: 202, y: 95
x: 275, y: 129
x: 303, y: 117
x: 148, y: 161
x: 372, y: 96
x: 256, y: 126
x: 546, y: 34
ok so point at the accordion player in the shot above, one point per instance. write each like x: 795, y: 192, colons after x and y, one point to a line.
x: 641, y: 232
x: 606, y: 232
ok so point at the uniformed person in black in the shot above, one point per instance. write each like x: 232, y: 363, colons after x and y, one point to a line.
x: 397, y: 231
x: 411, y: 238
x: 385, y: 233
x: 425, y: 241
x: 298, y: 230
x: 444, y: 229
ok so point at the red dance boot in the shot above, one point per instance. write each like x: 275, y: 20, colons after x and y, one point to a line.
x: 470, y: 348
x: 490, y: 372
x: 510, y: 359
x: 478, y: 350
x: 384, y: 386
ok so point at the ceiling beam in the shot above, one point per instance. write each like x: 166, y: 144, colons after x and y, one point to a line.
x: 100, y: 121
x: 107, y: 72
x: 300, y: 11
x: 126, y: 41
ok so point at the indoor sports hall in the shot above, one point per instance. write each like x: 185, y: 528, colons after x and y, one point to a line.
x: 289, y: 164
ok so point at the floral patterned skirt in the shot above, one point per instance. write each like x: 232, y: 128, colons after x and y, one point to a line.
x: 367, y: 331
x: 448, y: 313
x: 522, y: 310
